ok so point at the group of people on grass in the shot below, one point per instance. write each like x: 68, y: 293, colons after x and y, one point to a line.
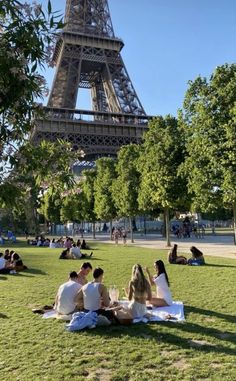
x: 73, y: 250
x: 53, y: 243
x: 11, y: 262
x: 197, y: 258
x: 77, y: 294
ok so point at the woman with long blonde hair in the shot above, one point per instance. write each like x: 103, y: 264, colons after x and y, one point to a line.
x: 139, y: 291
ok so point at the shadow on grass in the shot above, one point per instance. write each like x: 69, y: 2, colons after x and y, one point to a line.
x: 3, y: 316
x: 201, y: 311
x: 33, y: 271
x: 191, y: 342
x: 3, y: 278
x: 216, y: 265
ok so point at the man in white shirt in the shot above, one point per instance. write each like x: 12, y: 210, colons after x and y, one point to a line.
x: 3, y: 268
x: 75, y: 253
x: 65, y: 302
x: 94, y: 295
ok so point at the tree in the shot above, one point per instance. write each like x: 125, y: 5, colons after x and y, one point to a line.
x: 208, y: 121
x: 27, y: 36
x: 161, y: 156
x: 104, y: 205
x: 126, y: 186
x: 51, y: 205
x: 73, y: 206
x: 37, y: 169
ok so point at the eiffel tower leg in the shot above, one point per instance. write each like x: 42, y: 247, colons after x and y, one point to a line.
x: 124, y: 89
x: 65, y: 86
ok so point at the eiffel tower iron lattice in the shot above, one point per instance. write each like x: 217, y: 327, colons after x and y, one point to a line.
x: 87, y: 55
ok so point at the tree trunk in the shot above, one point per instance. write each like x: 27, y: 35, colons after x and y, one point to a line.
x: 93, y: 228
x: 167, y: 223
x: 234, y: 213
x: 111, y: 230
x: 131, y: 229
x: 30, y: 215
x: 144, y: 225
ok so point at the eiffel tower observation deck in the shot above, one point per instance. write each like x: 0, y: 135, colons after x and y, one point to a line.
x: 87, y: 55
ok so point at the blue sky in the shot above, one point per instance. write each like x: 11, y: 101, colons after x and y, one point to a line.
x: 168, y: 43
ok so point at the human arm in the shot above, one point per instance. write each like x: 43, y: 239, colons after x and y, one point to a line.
x: 104, y: 295
x: 130, y: 291
x: 56, y: 302
x: 79, y: 299
x: 150, y: 278
x: 149, y: 292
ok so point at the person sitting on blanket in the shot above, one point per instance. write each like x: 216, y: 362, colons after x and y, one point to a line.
x: 4, y: 267
x: 83, y: 272
x: 75, y: 252
x: 7, y: 255
x: 138, y: 292
x: 160, y: 280
x: 197, y: 257
x: 84, y: 245
x: 65, y: 303
x: 94, y: 295
x: 17, y: 263
x: 174, y: 258
x: 65, y: 254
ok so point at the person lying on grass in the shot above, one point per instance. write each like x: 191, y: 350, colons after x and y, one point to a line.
x: 173, y: 258
x: 163, y: 296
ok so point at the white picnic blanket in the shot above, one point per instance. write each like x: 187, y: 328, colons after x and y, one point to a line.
x: 53, y: 314
x: 173, y: 313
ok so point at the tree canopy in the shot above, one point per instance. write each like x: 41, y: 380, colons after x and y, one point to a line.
x: 208, y: 122
x: 163, y: 149
x: 27, y: 35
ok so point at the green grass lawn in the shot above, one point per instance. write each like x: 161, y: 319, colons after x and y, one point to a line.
x: 202, y: 348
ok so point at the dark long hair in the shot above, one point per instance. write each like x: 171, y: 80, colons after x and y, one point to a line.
x: 161, y: 269
x: 196, y: 252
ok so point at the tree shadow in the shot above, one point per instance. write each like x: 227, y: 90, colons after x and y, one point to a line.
x: 3, y: 277
x: 201, y: 311
x: 33, y: 271
x: 146, y: 331
x: 216, y: 265
x: 3, y: 316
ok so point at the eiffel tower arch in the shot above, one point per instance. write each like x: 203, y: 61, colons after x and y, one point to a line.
x: 87, y: 55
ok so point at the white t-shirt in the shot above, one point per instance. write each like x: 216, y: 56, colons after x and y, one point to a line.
x: 163, y: 291
x: 75, y: 252
x: 66, y: 296
x: 2, y: 263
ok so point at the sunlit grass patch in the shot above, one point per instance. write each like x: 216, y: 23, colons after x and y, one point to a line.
x: 202, y: 348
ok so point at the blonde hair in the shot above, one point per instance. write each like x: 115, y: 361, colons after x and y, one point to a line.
x: 138, y: 279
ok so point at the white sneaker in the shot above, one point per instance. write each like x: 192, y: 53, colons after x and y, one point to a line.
x: 13, y: 272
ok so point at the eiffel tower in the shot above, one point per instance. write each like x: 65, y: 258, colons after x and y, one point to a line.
x: 87, y: 55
